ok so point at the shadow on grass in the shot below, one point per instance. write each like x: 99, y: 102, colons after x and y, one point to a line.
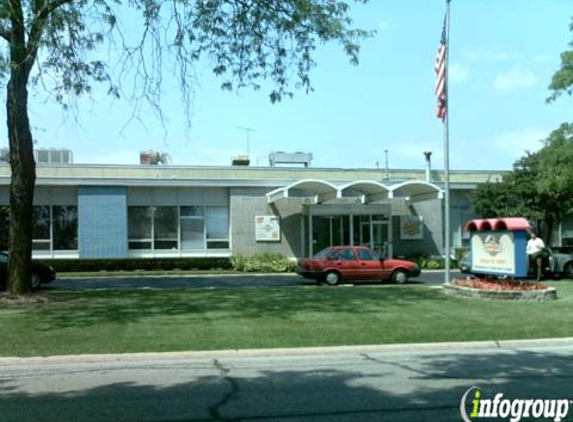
x: 87, y: 308
x: 370, y: 387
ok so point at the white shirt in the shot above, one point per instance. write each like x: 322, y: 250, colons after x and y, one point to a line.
x: 534, y: 245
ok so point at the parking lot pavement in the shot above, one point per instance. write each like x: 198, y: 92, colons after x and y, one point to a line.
x: 179, y: 281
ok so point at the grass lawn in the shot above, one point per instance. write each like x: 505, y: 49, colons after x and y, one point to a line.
x: 119, y: 321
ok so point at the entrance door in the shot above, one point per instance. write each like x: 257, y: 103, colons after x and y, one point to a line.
x: 339, y: 230
x: 380, y: 239
x: 362, y: 234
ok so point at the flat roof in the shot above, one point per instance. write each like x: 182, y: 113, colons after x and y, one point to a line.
x: 170, y: 175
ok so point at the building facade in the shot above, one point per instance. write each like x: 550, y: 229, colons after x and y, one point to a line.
x: 105, y: 211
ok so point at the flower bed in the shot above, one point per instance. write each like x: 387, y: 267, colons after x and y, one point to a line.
x: 508, y: 289
x: 503, y: 284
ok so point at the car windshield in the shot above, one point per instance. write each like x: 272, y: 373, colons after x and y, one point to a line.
x: 323, y: 253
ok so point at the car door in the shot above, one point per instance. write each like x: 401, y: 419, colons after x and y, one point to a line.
x: 369, y: 264
x: 346, y: 263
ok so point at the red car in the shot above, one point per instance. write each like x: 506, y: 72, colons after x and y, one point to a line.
x: 331, y: 265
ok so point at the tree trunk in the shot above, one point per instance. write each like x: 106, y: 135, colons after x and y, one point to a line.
x: 22, y: 183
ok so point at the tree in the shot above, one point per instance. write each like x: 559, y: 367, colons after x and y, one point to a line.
x: 539, y: 188
x: 562, y: 81
x: 514, y: 195
x: 50, y: 42
x: 555, y: 176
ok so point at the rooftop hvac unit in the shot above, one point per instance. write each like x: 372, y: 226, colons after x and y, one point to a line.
x: 281, y: 157
x: 145, y: 157
x: 53, y: 156
x: 154, y: 157
x: 240, y: 160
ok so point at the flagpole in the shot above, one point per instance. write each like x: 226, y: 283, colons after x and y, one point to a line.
x: 447, y: 245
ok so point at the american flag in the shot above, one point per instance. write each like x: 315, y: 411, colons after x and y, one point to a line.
x: 440, y: 70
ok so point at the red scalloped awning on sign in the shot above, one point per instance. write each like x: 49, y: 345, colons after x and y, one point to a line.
x: 495, y: 224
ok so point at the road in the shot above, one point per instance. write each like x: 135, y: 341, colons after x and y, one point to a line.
x: 214, y: 280
x: 341, y: 385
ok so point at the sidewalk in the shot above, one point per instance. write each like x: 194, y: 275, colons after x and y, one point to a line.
x: 299, y: 351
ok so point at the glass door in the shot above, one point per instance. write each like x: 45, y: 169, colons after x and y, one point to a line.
x: 380, y: 238
x: 362, y: 235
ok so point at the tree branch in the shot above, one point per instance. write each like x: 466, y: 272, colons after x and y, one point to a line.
x: 37, y: 28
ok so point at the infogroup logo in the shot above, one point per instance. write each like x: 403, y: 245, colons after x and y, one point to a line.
x: 511, y: 409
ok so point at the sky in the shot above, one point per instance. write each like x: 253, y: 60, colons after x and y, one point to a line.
x: 503, y: 54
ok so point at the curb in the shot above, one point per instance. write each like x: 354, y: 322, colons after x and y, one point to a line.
x: 302, y: 351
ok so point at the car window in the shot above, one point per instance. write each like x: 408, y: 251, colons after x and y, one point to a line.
x: 344, y: 255
x: 366, y: 255
x: 323, y: 253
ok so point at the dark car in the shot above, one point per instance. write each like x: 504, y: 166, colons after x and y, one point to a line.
x: 41, y: 273
x: 554, y: 264
x: 337, y: 263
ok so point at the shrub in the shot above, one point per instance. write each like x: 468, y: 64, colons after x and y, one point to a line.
x: 138, y: 264
x: 426, y: 263
x: 263, y: 263
x: 461, y: 253
x: 432, y: 264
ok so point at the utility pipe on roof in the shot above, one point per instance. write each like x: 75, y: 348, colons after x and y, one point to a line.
x: 428, y: 155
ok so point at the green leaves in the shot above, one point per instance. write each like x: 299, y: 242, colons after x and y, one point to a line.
x: 562, y: 81
x: 555, y: 179
x: 540, y: 187
x: 250, y: 41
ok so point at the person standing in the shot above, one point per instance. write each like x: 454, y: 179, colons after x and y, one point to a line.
x: 534, y: 250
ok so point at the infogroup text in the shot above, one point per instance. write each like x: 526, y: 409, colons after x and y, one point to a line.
x: 511, y: 409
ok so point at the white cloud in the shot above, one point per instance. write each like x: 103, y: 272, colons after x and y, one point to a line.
x: 458, y: 73
x: 514, y: 79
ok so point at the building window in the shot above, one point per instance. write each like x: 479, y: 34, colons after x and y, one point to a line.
x: 217, y: 231
x: 165, y: 228
x: 140, y: 227
x: 41, y: 231
x: 192, y: 222
x: 65, y: 227
x: 55, y: 228
x: 183, y: 228
x: 4, y: 226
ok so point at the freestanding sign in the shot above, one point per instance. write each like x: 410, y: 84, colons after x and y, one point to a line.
x: 497, y: 246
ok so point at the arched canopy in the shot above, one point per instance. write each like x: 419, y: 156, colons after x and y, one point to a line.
x: 414, y: 191
x: 370, y: 190
x: 318, y: 191
x: 494, y: 224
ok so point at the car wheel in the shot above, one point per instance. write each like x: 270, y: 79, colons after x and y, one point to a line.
x: 568, y: 270
x: 332, y: 278
x: 36, y: 281
x: 399, y: 276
